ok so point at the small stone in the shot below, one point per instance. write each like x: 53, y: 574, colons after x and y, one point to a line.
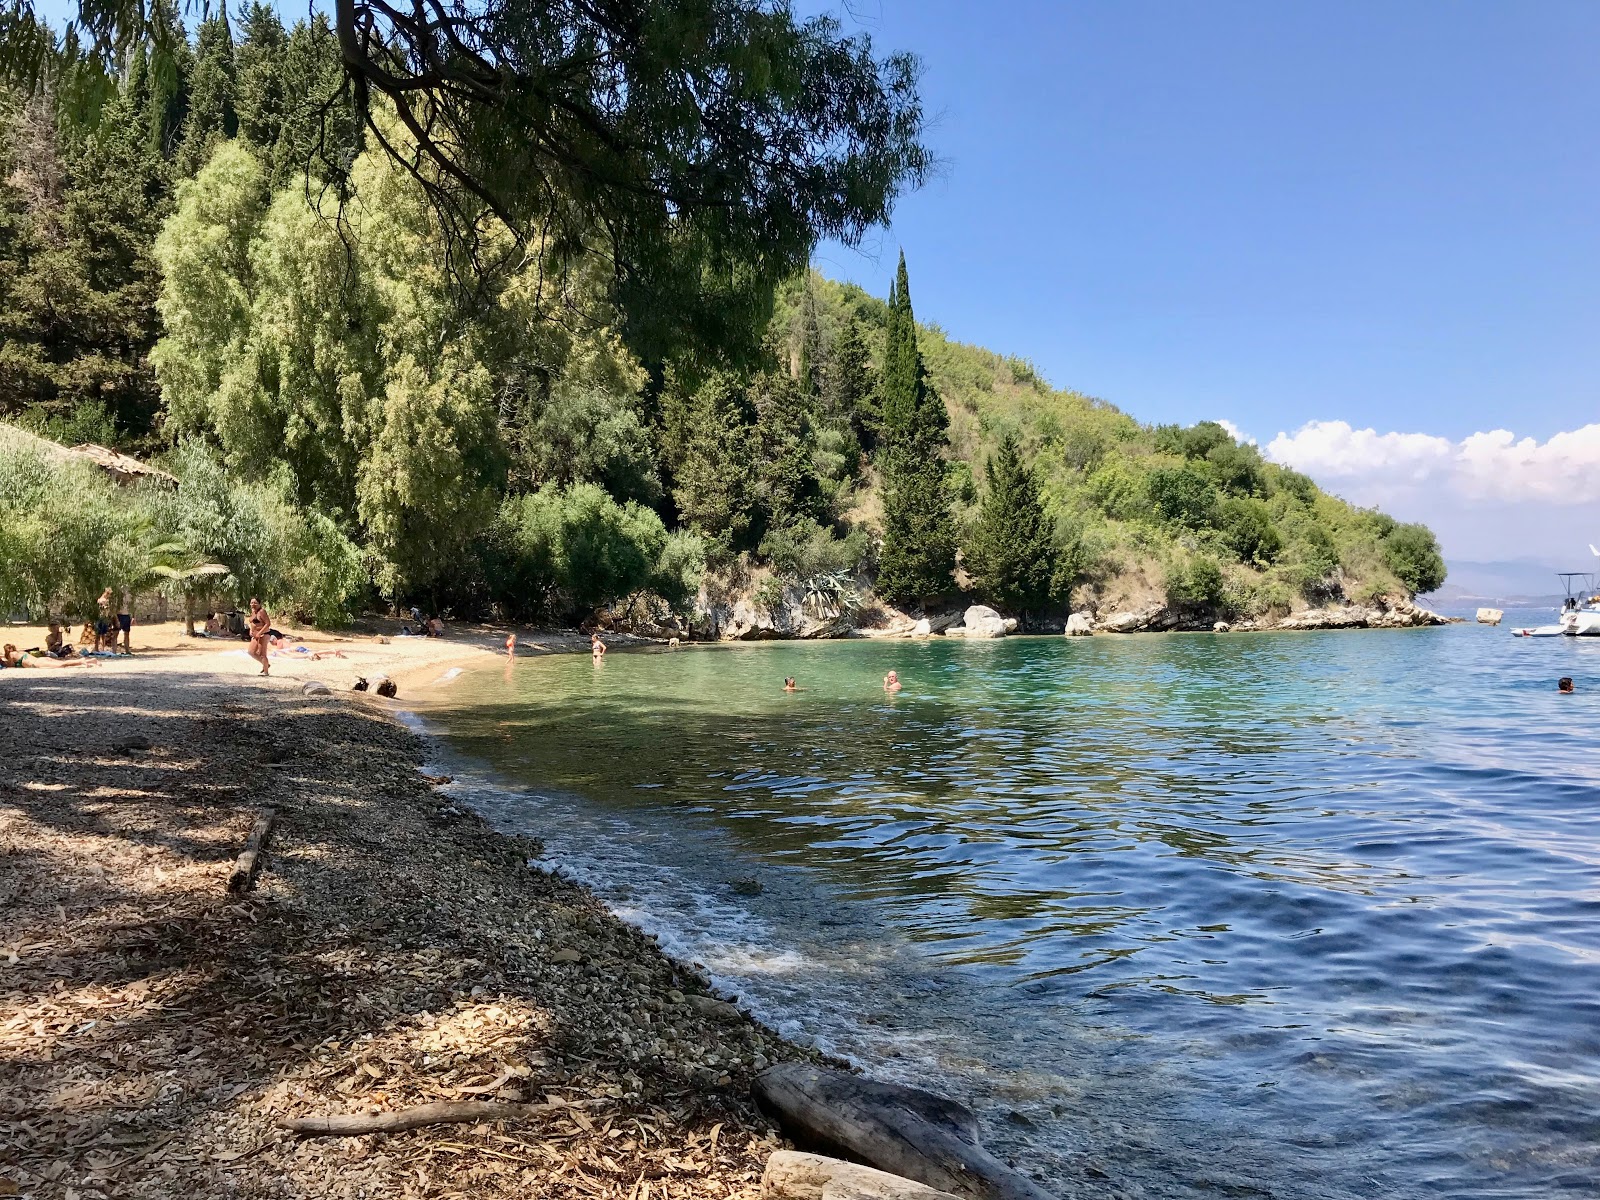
x: 675, y: 996
x: 566, y: 955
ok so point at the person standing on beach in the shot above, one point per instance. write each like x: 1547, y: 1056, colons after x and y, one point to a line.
x: 260, y: 630
x: 104, y: 639
x: 511, y: 645
x: 125, y: 622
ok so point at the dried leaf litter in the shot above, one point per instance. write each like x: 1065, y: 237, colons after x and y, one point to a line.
x: 394, y: 952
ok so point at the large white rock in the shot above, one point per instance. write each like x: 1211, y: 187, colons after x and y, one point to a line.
x: 1125, y: 622
x: 1080, y: 624
x: 923, y: 628
x: 981, y: 621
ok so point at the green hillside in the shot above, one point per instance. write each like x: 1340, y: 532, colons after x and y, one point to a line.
x: 1188, y: 516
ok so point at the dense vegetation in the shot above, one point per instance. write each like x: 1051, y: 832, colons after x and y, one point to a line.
x: 222, y: 271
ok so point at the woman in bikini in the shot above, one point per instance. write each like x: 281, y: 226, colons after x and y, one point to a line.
x: 260, y: 629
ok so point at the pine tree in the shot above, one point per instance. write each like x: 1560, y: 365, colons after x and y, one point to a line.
x: 259, y: 98
x: 211, y: 118
x: 917, y: 561
x: 1011, y: 553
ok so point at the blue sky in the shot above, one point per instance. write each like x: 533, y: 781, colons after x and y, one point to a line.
x: 1382, y: 214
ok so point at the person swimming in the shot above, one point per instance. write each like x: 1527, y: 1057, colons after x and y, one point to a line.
x: 788, y: 684
x: 891, y: 683
x: 1564, y: 685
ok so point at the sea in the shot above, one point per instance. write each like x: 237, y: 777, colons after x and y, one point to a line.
x: 1310, y: 915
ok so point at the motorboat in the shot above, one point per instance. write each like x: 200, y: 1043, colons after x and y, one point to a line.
x: 1580, y: 611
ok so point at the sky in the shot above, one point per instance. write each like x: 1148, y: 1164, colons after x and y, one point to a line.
x: 1367, y: 235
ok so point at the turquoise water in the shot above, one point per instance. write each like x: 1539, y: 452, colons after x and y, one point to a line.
x: 1261, y: 915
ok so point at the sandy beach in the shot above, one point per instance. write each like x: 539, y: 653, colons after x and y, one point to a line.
x: 154, y: 1029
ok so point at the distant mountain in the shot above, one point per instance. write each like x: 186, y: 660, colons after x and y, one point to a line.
x: 1517, y: 579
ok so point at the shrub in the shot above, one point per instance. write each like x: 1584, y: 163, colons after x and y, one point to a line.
x: 1247, y: 529
x: 569, y: 550
x: 1182, y: 495
x: 1198, y: 582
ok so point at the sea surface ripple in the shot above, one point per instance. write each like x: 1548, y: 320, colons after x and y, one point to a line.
x: 1296, y: 915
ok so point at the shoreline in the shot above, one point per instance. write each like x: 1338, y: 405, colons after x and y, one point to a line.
x: 396, y: 950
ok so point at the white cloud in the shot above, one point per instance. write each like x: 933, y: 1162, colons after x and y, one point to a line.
x: 1488, y: 496
x: 1235, y: 432
x: 1486, y: 468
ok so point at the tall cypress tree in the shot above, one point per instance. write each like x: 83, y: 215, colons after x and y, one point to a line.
x: 917, y: 561
x: 319, y: 134
x: 812, y: 366
x: 211, y: 118
x: 259, y: 97
x: 1011, y: 553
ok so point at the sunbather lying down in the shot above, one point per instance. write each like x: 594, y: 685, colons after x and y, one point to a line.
x: 284, y: 650
x: 13, y: 657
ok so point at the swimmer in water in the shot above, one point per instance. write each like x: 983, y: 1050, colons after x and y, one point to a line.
x: 788, y: 685
x: 597, y: 647
x: 511, y: 645
x: 1564, y: 685
x: 891, y: 683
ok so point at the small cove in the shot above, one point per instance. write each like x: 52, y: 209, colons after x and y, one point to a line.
x: 1302, y: 914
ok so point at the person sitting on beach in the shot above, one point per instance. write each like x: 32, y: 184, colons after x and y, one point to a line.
x: 13, y: 657
x: 891, y: 682
x: 55, y: 644
x: 1564, y: 685
x: 434, y: 627
x: 86, y: 637
x: 788, y: 685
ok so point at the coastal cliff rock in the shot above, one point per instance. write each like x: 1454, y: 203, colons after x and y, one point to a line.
x: 1130, y: 621
x: 1080, y: 624
x: 1387, y: 613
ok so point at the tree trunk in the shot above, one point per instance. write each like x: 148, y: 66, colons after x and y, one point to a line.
x: 188, y: 612
x: 897, y: 1129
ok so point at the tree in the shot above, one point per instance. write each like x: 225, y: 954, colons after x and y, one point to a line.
x: 386, y: 420
x: 211, y: 117
x: 1412, y: 553
x: 579, y: 549
x: 1248, y: 531
x: 917, y: 561
x: 848, y: 387
x: 712, y: 143
x: 1182, y: 495
x: 1011, y: 553
x: 914, y: 418
x: 260, y: 94
x: 918, y: 556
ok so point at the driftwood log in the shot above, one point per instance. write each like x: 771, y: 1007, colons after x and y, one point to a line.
x: 900, y: 1130
x: 244, y: 867
x: 793, y: 1175
x: 445, y: 1112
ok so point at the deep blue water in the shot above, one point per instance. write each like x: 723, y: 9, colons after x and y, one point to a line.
x: 1298, y: 915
